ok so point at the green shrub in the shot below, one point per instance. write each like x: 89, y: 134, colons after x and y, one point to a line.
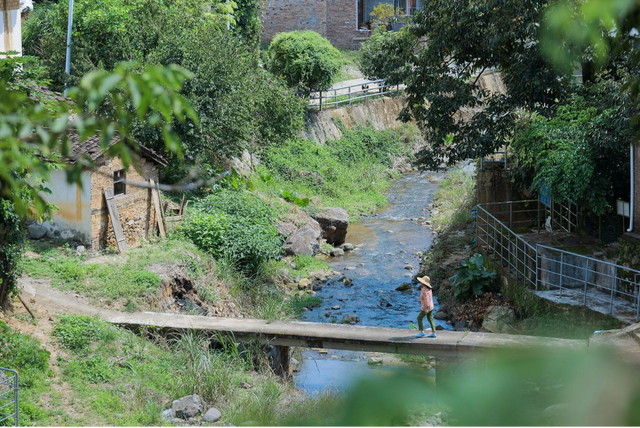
x: 94, y: 368
x: 77, y: 332
x: 472, y: 277
x: 21, y: 352
x: 304, y: 59
x: 235, y: 226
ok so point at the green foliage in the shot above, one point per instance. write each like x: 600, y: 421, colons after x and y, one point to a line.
x: 382, y: 13
x: 240, y: 106
x: 21, y: 353
x: 351, y: 172
x: 77, y: 332
x: 235, y: 226
x: 464, y: 39
x: 580, y: 153
x: 305, y: 60
x: 93, y: 368
x: 472, y: 277
x: 294, y: 198
x: 383, y: 55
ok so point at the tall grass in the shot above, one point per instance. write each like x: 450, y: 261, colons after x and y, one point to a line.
x: 352, y: 172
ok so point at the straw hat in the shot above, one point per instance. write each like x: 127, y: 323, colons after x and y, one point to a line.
x: 425, y: 280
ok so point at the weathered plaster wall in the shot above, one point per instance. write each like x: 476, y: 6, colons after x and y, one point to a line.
x: 135, y: 208
x: 72, y: 220
x: 11, y: 40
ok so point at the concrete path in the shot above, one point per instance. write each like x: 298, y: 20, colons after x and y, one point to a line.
x: 348, y: 337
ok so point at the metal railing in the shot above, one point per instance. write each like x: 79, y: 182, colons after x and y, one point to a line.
x: 9, y: 399
x: 501, y: 243
x: 350, y: 94
x: 495, y: 158
x: 541, y: 267
x: 587, y: 277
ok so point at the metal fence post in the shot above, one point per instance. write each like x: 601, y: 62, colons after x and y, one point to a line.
x: 536, y: 274
x: 320, y: 96
x: 349, y: 95
x: 561, y: 271
x: 586, y: 280
x: 613, y: 288
x: 511, y: 216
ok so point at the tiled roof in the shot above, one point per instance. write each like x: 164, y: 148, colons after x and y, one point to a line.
x: 91, y: 148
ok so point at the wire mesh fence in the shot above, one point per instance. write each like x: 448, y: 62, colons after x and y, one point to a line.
x: 9, y: 396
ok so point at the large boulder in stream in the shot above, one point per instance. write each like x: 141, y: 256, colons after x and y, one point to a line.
x: 303, y: 241
x: 334, y: 223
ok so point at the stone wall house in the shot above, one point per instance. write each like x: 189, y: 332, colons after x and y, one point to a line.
x: 82, y: 213
x: 340, y: 21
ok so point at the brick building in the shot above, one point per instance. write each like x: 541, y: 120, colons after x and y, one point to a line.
x: 337, y: 20
x: 82, y: 213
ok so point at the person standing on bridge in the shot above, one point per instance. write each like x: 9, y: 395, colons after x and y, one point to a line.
x: 426, y: 302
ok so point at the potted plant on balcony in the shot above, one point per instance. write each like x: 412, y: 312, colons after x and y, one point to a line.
x: 382, y: 14
x: 398, y: 20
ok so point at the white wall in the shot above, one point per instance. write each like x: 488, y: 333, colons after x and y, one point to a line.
x: 15, y: 23
x: 73, y: 218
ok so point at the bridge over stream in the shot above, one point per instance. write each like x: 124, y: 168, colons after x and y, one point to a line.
x: 284, y: 335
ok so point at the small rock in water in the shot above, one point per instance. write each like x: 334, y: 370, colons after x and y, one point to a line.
x: 405, y: 286
x: 337, y: 252
x: 375, y: 361
x: 335, y: 308
x: 348, y: 247
x: 323, y: 351
x: 350, y: 268
x: 327, y: 315
x: 388, y: 231
x: 347, y: 281
x: 350, y: 319
x: 408, y: 267
x: 212, y: 415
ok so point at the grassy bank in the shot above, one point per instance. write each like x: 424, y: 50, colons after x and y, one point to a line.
x: 105, y: 375
x: 352, y: 172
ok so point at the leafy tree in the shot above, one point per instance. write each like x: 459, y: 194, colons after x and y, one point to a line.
x: 34, y: 135
x: 239, y: 104
x: 384, y: 55
x: 451, y: 45
x: 305, y: 60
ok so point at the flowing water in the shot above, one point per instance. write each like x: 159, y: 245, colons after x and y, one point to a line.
x: 385, y: 258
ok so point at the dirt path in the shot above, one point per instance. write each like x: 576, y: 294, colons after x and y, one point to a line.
x: 47, y: 301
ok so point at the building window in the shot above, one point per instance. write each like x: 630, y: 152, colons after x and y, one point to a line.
x: 119, y: 183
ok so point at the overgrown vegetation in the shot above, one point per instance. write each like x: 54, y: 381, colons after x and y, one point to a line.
x: 352, y: 172
x: 236, y: 226
x: 472, y: 278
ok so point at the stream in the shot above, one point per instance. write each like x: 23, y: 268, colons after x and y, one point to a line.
x: 387, y: 243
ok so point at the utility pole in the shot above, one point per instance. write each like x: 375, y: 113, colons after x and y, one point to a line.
x: 67, y: 66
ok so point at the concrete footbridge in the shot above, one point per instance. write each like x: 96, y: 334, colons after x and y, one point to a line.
x: 345, y: 337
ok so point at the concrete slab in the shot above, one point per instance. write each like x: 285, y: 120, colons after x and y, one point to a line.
x: 596, y: 301
x: 347, y: 337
